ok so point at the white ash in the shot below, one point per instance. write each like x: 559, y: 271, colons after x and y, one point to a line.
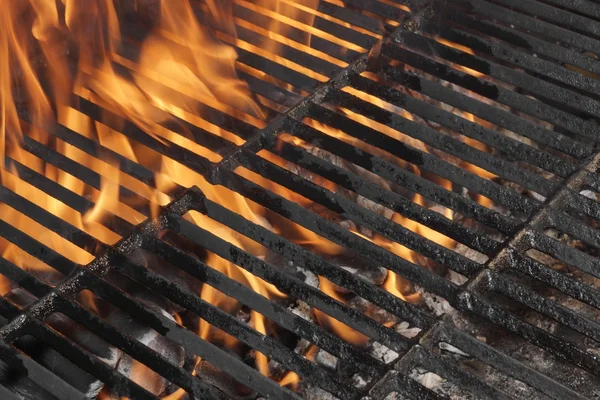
x: 471, y: 254
x: 358, y: 381
x: 456, y: 278
x: 436, y: 304
x: 405, y: 330
x: 449, y: 348
x: 382, y: 353
x: 431, y: 380
x: 375, y: 312
x: 426, y: 378
x: 302, y: 310
x: 302, y: 346
x: 310, y: 278
x: 589, y: 194
x: 326, y: 360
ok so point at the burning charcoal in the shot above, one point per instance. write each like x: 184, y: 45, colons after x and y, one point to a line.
x: 170, y: 272
x: 382, y: 353
x: 377, y: 313
x: 139, y: 373
x: 403, y: 329
x: 302, y: 310
x: 223, y: 381
x: 326, y: 360
x: 430, y: 380
x: 362, y: 268
x: 436, y: 304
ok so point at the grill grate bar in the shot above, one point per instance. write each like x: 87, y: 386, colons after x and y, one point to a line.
x: 529, y: 62
x: 168, y: 148
x: 71, y: 199
x: 90, y: 177
x: 83, y: 358
x: 23, y: 279
x: 442, y: 332
x: 516, y: 149
x: 398, y: 175
x: 426, y: 359
x: 252, y: 17
x: 514, y: 261
x: 396, y: 382
x: 494, y: 92
x: 522, y: 39
x: 190, y: 340
x: 51, y: 221
x: 426, y: 161
x: 395, y: 202
x: 42, y: 308
x: 360, y: 215
x: 445, y: 143
x: 566, y: 97
x: 531, y: 24
x: 339, y: 235
x: 37, y: 249
x: 485, y: 111
x: 276, y: 313
x: 136, y: 349
x: 539, y: 337
x: 321, y: 267
x: 36, y: 373
x: 556, y: 15
x: 542, y: 305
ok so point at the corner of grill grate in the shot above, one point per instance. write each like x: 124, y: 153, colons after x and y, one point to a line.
x: 473, y: 122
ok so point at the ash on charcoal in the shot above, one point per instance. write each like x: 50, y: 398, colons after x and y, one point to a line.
x: 360, y: 267
x: 451, y: 349
x: 144, y: 376
x: 358, y: 381
x: 456, y: 278
x: 405, y: 330
x: 589, y: 194
x: 439, y: 385
x: 470, y: 253
x: 436, y: 304
x: 382, y: 353
x: 377, y: 313
x: 302, y: 310
x: 224, y: 382
x: 326, y: 360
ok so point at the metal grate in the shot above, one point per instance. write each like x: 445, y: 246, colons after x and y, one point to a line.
x: 524, y: 79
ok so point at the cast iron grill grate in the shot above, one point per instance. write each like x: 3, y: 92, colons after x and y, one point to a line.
x: 522, y: 75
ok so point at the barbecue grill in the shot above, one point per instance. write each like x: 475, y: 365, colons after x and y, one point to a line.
x: 509, y: 87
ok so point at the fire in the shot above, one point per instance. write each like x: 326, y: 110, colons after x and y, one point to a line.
x: 183, y: 67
